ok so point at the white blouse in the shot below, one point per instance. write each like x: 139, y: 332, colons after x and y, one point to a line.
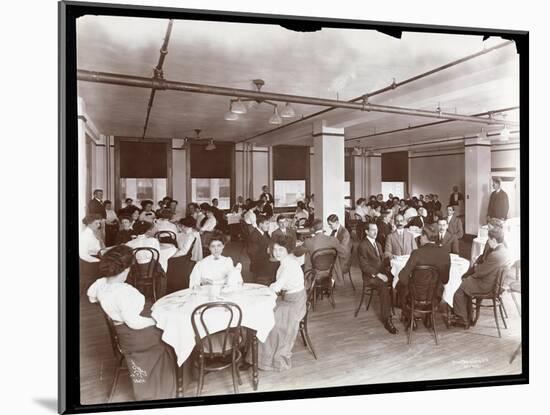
x: 211, y: 271
x: 290, y: 276
x: 89, y: 245
x: 185, y: 240
x: 147, y: 216
x: 209, y: 225
x: 111, y: 217
x: 121, y: 302
x: 362, y: 211
x: 165, y: 225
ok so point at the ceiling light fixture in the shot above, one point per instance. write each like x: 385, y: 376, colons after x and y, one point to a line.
x: 210, y: 146
x: 237, y: 106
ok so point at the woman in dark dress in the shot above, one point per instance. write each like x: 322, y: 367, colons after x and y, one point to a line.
x: 150, y: 361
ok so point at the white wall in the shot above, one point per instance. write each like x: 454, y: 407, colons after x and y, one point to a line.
x: 260, y: 169
x: 436, y: 172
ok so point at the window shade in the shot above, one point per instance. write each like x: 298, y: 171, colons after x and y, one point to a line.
x: 143, y: 160
x: 348, y: 166
x: 395, y: 166
x: 213, y: 164
x: 290, y: 162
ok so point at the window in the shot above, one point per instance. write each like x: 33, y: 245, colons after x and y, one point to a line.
x: 142, y: 189
x: 204, y: 190
x: 288, y: 192
x: 397, y: 189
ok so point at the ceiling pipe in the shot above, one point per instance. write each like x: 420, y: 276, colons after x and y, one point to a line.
x: 430, y: 124
x: 162, y: 84
x: 390, y: 87
x: 158, y: 74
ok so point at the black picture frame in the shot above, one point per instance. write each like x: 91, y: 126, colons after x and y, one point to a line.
x: 69, y: 378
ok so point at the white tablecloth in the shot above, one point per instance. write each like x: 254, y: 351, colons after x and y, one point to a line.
x: 459, y: 266
x: 173, y: 314
x: 165, y: 253
x: 233, y: 218
x: 512, y: 238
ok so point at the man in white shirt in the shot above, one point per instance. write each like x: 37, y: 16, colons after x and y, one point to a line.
x: 400, y: 241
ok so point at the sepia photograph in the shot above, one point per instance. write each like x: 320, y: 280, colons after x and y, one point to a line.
x: 284, y: 206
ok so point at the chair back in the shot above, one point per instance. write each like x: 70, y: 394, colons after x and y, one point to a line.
x: 221, y: 342
x: 115, y: 342
x: 323, y: 261
x: 147, y: 270
x: 499, y: 281
x: 167, y: 237
x: 423, y: 283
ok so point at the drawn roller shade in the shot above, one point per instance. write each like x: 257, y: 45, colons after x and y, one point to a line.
x: 395, y: 167
x: 212, y: 164
x: 143, y: 160
x: 290, y: 162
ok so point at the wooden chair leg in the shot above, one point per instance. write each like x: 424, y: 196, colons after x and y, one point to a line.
x: 200, y: 382
x: 361, y: 302
x: 432, y: 315
x: 516, y: 302
x: 500, y: 308
x: 496, y: 317
x: 302, y: 334
x: 308, y: 342
x: 234, y: 372
x: 370, y: 299
x: 351, y: 280
x: 478, y: 309
x: 502, y: 304
x: 115, y: 381
x: 411, y: 323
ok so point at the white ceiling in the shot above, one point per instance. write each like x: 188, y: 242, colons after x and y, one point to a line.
x: 331, y: 63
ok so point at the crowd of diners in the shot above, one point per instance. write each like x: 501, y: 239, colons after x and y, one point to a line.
x: 384, y: 229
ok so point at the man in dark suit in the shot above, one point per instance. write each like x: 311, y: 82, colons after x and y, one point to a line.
x: 400, y: 241
x: 431, y: 254
x: 481, y: 281
x: 95, y: 206
x: 268, y: 196
x: 321, y: 241
x: 371, y: 262
x: 284, y: 230
x: 456, y: 197
x: 384, y: 226
x: 498, y: 202
x: 344, y: 238
x: 258, y: 250
x: 419, y: 221
x: 445, y: 239
x: 455, y: 224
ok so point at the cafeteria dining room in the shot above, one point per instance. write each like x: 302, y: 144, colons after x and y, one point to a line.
x: 266, y: 209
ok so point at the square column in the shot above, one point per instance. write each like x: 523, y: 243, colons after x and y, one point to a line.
x: 477, y: 168
x: 367, y: 175
x: 328, y: 169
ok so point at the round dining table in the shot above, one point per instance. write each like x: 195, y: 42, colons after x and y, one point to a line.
x: 172, y: 314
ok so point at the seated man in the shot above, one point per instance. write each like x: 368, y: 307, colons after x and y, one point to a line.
x: 444, y: 238
x: 374, y: 274
x: 284, y: 230
x: 419, y: 221
x: 428, y: 254
x: 400, y: 241
x: 384, y: 227
x: 321, y: 241
x: 483, y: 278
x: 344, y: 238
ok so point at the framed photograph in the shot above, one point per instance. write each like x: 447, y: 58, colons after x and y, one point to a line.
x: 263, y: 207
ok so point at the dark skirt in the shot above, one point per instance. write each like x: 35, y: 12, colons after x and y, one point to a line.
x: 179, y: 270
x: 151, y: 364
x: 275, y: 353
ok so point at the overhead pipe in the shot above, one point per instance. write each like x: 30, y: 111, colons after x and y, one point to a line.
x: 158, y: 74
x: 390, y: 87
x: 163, y: 84
x: 431, y: 124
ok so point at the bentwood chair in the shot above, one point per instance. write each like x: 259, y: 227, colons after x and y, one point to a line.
x: 515, y: 287
x: 495, y: 296
x: 423, y: 284
x: 146, y: 276
x: 309, y: 280
x: 119, y: 355
x: 300, y: 223
x: 370, y: 291
x: 167, y: 237
x: 222, y: 349
x: 322, y: 264
x: 348, y: 271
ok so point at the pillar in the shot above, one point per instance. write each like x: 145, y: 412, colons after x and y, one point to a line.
x: 477, y: 167
x: 82, y: 165
x: 328, y: 168
x: 367, y: 175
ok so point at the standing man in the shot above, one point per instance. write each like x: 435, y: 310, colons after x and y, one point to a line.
x: 498, y: 202
x: 258, y: 250
x: 456, y: 197
x: 343, y: 236
x: 371, y: 262
x: 400, y: 241
x: 269, y: 196
x: 455, y: 224
x: 96, y: 206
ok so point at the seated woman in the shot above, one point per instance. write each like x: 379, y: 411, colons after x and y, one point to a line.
x: 111, y: 223
x: 215, y: 268
x: 301, y: 212
x: 134, y: 217
x: 147, y: 213
x: 275, y: 353
x: 125, y: 233
x: 88, y: 249
x: 150, y: 362
x: 181, y: 264
x: 164, y: 222
x: 209, y: 223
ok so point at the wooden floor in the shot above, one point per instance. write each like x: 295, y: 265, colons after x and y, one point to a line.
x: 351, y: 351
